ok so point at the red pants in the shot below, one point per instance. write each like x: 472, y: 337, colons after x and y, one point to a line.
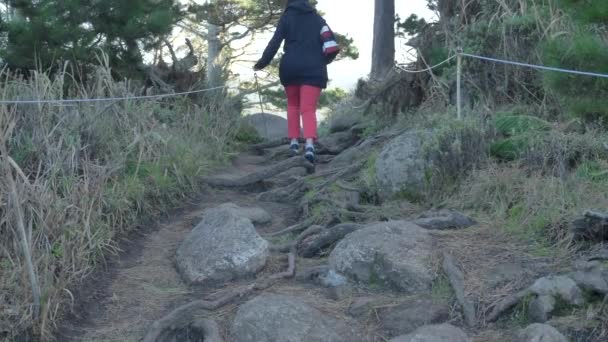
x: 302, y: 99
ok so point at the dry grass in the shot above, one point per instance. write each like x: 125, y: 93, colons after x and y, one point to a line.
x: 74, y: 176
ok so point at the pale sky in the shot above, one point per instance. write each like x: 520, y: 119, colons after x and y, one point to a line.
x: 354, y: 18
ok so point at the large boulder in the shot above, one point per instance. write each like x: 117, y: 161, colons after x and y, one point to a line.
x: 279, y: 318
x: 412, y: 314
x: 224, y: 246
x: 268, y: 126
x: 402, y: 166
x: 394, y: 254
x: 435, y: 333
x: 540, y: 333
x: 343, y: 122
x: 336, y: 143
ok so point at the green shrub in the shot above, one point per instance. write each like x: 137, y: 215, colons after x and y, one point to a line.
x: 510, y: 125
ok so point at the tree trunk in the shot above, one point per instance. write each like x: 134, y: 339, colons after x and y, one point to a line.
x: 383, y: 50
x: 214, y: 70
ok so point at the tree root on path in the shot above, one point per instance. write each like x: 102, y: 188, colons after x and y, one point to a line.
x: 313, y: 243
x: 506, y: 304
x: 296, y: 242
x: 258, y: 176
x: 342, y: 175
x: 457, y: 281
x: 185, y: 313
x: 259, y: 148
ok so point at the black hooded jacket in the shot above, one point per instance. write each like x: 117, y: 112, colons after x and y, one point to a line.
x: 303, y: 61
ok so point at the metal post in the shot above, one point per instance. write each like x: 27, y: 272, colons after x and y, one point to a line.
x: 458, y: 81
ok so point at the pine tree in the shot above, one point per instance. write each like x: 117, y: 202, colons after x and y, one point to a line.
x: 584, y: 49
x: 48, y: 31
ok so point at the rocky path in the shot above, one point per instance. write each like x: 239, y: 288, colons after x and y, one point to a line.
x: 274, y: 252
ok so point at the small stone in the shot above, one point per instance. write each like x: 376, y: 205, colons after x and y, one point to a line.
x: 435, y: 333
x: 559, y: 286
x: 332, y: 279
x: 540, y: 333
x: 540, y: 308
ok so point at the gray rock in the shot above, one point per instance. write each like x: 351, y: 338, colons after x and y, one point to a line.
x: 279, y: 318
x: 412, y: 314
x: 256, y: 215
x: 435, y: 333
x: 268, y: 126
x: 444, y: 219
x: 332, y: 279
x: 396, y: 254
x: 540, y: 333
x: 540, y: 308
x: 339, y: 293
x: 593, y: 280
x: 344, y: 122
x: 361, y: 306
x: 402, y: 166
x: 591, y: 272
x: 559, y: 286
x: 337, y: 142
x: 224, y: 246
x: 312, y: 274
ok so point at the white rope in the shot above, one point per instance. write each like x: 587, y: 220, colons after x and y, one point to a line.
x: 427, y: 69
x: 541, y: 67
x: 105, y: 99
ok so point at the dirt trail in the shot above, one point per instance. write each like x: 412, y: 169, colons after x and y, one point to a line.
x: 142, y: 284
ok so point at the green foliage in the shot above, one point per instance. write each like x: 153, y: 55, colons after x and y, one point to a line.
x: 411, y: 26
x: 587, y: 11
x: 50, y: 31
x: 512, y: 148
x: 510, y: 125
x: 247, y: 134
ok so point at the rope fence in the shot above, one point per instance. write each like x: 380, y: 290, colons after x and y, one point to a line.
x: 401, y: 68
x: 461, y: 54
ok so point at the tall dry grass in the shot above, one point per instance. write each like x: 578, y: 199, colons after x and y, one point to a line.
x: 73, y: 176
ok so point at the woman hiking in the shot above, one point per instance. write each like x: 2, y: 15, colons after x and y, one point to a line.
x: 309, y: 47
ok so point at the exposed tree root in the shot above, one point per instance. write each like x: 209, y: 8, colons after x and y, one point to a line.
x: 313, y: 243
x: 457, y: 281
x: 290, y: 193
x: 259, y: 148
x: 296, y: 242
x: 295, y: 228
x: 185, y: 312
x: 344, y: 174
x: 506, y: 304
x: 258, y: 176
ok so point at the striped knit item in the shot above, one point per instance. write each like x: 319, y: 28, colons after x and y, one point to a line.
x: 330, y: 46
